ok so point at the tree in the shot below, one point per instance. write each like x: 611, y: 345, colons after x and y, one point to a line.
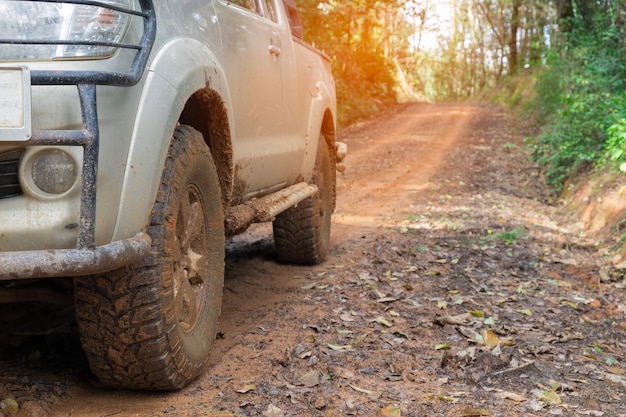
x: 362, y: 37
x: 565, y: 15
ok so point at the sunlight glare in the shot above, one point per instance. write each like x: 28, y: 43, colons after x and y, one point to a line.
x: 439, y: 19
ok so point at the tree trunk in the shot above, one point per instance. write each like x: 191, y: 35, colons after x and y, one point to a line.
x: 513, y: 36
x: 588, y: 11
x: 565, y: 14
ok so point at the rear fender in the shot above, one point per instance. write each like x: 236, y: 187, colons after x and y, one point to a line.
x: 321, y: 102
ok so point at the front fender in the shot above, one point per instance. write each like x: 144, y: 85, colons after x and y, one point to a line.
x: 181, y: 67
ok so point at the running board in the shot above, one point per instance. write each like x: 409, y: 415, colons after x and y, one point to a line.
x: 266, y: 208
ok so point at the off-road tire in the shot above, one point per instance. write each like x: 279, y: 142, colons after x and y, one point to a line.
x: 302, y: 232
x: 151, y: 325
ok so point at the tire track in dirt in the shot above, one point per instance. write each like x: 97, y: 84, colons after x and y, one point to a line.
x: 385, y: 168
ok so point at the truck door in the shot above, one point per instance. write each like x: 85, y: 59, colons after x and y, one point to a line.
x: 259, y: 61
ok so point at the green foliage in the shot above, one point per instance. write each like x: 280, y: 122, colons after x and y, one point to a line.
x: 356, y: 35
x: 510, y: 236
x: 580, y: 99
x: 576, y: 136
x: 364, y: 83
x: 615, y: 148
x: 514, y: 92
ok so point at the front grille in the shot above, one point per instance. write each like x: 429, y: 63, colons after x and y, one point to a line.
x: 9, y: 179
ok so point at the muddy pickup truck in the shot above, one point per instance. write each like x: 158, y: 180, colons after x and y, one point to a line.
x: 135, y: 137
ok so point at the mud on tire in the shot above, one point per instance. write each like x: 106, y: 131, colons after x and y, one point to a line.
x: 302, y: 232
x: 151, y: 325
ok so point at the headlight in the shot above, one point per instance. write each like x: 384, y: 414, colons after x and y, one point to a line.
x: 54, y: 171
x: 49, y: 172
x: 61, y: 22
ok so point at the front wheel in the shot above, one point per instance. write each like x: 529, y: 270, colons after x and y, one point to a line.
x: 302, y: 232
x: 151, y: 325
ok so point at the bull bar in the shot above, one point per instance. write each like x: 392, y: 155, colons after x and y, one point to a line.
x: 86, y: 258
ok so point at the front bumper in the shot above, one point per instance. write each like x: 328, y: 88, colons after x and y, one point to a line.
x: 85, y: 258
x: 73, y: 262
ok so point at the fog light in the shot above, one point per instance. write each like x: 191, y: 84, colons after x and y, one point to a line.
x: 54, y: 171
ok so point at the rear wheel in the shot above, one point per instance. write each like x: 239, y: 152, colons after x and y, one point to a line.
x: 302, y: 232
x: 151, y: 325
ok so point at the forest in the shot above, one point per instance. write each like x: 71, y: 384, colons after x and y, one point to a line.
x: 560, y: 63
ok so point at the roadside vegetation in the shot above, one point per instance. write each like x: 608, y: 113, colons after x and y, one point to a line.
x: 580, y: 94
x: 561, y: 62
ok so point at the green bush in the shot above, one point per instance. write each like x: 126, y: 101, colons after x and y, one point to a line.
x: 580, y: 101
x: 615, y: 149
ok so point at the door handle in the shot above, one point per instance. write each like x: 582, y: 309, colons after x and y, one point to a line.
x: 274, y: 50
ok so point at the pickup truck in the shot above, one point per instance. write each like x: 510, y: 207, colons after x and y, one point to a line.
x: 135, y: 137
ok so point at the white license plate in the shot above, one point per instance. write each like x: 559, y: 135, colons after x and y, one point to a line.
x: 15, y: 106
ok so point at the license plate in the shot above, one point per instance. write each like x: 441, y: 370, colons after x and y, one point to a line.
x: 15, y: 105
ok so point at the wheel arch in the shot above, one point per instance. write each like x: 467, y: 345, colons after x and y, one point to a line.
x: 328, y: 131
x: 183, y: 81
x: 321, y: 120
x: 206, y: 111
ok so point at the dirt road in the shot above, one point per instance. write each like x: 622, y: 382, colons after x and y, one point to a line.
x: 452, y: 289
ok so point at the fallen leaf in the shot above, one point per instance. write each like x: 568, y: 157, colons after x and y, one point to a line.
x: 9, y: 406
x: 583, y: 299
x: 525, y: 312
x: 273, y: 411
x: 506, y: 395
x: 374, y: 394
x: 457, y: 320
x: 469, y: 353
x: 443, y: 346
x: 604, y: 275
x: 442, y: 305
x: 490, y: 338
x: 247, y: 388
x: 474, y: 412
x: 468, y: 333
x: 404, y: 335
x: 616, y: 379
x: 382, y: 321
x: 347, y: 317
x: 616, y: 370
x: 339, y: 347
x: 390, y: 411
x: 569, y: 261
x: 446, y: 399
x: 550, y: 398
x: 310, y: 379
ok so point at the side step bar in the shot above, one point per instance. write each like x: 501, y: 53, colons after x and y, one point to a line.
x: 265, y: 209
